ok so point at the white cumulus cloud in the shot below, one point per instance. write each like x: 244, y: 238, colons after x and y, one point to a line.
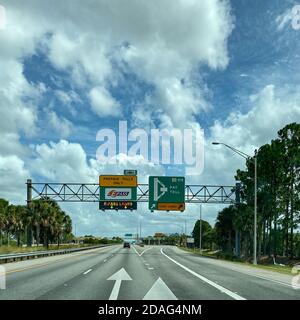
x: 103, y: 104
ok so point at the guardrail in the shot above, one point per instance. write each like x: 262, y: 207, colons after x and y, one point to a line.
x: 39, y: 254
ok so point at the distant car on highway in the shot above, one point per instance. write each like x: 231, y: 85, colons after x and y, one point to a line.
x: 126, y: 245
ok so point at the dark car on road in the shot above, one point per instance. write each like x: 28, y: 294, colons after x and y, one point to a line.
x: 126, y: 245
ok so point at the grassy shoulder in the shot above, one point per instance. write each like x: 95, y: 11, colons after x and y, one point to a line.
x: 15, y: 249
x: 271, y: 267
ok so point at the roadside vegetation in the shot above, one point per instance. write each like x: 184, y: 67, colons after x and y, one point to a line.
x: 41, y: 226
x: 43, y: 222
x: 278, y: 211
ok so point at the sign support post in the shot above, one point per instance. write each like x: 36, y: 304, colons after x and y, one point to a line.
x: 200, y: 227
x: 29, y: 200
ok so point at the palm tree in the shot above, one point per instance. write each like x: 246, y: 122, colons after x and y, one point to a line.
x: 3, y: 217
x: 38, y: 207
x: 45, y: 223
x: 19, y: 215
x: 67, y: 224
x: 42, y: 219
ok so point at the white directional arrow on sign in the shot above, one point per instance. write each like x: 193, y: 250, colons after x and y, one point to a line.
x: 119, y: 276
x: 160, y: 291
x: 159, y: 191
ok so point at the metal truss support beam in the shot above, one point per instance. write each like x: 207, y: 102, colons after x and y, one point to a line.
x: 89, y: 192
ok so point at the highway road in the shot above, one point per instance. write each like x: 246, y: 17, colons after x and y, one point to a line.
x: 149, y: 272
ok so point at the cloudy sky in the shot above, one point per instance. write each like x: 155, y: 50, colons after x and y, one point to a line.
x: 71, y: 68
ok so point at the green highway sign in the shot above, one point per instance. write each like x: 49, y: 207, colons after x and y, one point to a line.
x: 166, y: 193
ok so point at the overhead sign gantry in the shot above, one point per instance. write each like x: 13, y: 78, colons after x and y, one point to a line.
x: 89, y: 192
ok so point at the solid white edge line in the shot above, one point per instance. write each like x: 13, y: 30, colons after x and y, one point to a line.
x: 86, y: 272
x: 215, y: 285
x: 263, y: 277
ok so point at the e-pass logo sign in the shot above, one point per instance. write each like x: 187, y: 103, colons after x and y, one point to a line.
x: 118, y: 194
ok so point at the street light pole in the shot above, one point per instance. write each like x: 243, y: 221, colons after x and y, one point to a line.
x: 200, y: 228
x: 140, y: 229
x: 255, y: 211
x: 75, y: 233
x: 247, y: 157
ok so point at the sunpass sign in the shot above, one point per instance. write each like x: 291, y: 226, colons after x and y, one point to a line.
x: 118, y: 192
x: 166, y: 193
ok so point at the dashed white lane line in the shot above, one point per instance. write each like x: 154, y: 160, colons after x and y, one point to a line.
x: 86, y: 272
x: 215, y: 285
x: 39, y: 265
x: 150, y: 268
x: 104, y: 260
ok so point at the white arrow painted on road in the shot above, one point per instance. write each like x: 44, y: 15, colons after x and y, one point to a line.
x: 160, y: 291
x: 119, y: 276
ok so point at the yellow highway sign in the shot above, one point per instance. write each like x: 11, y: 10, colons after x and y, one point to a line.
x: 117, y: 181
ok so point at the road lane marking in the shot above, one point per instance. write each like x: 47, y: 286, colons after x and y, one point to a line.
x: 119, y: 276
x: 104, y: 260
x: 140, y: 254
x: 145, y: 251
x: 150, y: 268
x: 135, y: 250
x: 159, y: 291
x: 215, y: 285
x: 88, y: 271
x: 259, y: 276
x: 50, y: 262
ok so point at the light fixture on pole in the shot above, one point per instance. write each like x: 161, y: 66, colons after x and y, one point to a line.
x: 254, y: 159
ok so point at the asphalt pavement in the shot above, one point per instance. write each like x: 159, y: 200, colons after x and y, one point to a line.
x: 149, y: 273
